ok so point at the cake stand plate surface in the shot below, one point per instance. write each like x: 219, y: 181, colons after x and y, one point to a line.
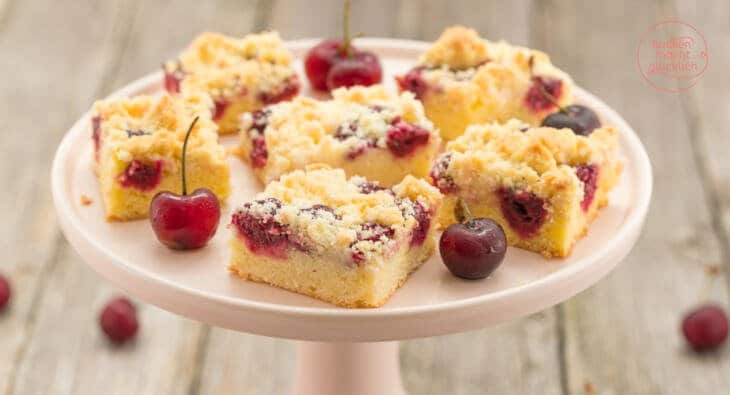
x: 197, y: 285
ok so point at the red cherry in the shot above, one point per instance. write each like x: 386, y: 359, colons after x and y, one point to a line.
x: 185, y: 221
x: 118, y: 320
x: 335, y: 63
x: 705, y: 327
x: 5, y: 292
x: 474, y: 248
x: 320, y: 60
x: 362, y: 68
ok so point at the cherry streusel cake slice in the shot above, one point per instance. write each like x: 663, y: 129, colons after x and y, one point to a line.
x: 369, y: 132
x: 349, y: 242
x: 240, y: 74
x: 543, y: 185
x: 464, y: 79
x: 138, y: 149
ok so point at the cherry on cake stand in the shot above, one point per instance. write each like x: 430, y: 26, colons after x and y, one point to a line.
x: 342, y: 351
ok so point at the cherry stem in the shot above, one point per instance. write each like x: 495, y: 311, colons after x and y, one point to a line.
x: 462, y: 212
x: 346, y: 39
x: 184, y: 150
x: 544, y: 91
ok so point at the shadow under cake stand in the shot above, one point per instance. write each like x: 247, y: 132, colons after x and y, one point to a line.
x: 342, y: 351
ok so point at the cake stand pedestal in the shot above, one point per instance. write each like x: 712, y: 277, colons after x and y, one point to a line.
x: 348, y: 368
x: 344, y: 351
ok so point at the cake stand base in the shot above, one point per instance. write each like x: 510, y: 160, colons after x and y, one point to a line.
x: 348, y: 368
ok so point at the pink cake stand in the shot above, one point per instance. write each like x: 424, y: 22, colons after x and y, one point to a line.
x: 342, y: 351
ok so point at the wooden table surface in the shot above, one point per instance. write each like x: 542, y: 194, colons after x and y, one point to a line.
x: 619, y: 337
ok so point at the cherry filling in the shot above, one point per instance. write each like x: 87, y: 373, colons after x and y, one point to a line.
x: 439, y: 178
x: 588, y: 174
x: 285, y: 91
x: 413, y: 82
x: 172, y: 79
x: 370, y: 231
x: 524, y: 211
x: 96, y: 134
x: 348, y: 130
x: 536, y: 98
x: 264, y: 235
x: 423, y: 222
x: 405, y: 137
x: 141, y: 175
x: 259, y: 154
x: 221, y: 105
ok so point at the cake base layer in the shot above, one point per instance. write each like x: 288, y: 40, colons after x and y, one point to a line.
x: 330, y: 280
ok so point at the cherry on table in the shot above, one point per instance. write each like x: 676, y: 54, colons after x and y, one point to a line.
x: 706, y: 327
x: 473, y: 248
x: 118, y: 320
x: 185, y: 221
x: 581, y: 119
x: 5, y: 292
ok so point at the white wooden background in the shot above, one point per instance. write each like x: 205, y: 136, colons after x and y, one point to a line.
x: 619, y: 337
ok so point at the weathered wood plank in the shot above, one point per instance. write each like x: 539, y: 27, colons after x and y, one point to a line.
x: 66, y: 348
x: 48, y: 83
x: 706, y: 108
x: 622, y: 335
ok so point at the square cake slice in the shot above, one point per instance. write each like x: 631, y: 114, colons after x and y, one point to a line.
x: 240, y: 75
x: 138, y: 151
x: 464, y: 79
x: 370, y: 132
x: 349, y: 242
x: 543, y: 185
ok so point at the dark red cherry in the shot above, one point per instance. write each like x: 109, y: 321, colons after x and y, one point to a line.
x: 185, y: 221
x: 705, y: 327
x: 337, y: 63
x: 581, y: 119
x: 5, y: 292
x: 118, y: 320
x: 362, y: 68
x: 319, y: 61
x: 474, y: 249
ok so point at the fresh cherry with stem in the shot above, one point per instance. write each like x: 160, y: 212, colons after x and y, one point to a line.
x: 706, y: 327
x: 474, y: 247
x: 185, y: 221
x: 338, y: 63
x: 580, y: 119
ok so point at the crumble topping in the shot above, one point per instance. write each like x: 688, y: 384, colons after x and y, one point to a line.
x: 327, y: 213
x: 524, y: 155
x: 215, y: 50
x: 255, y: 79
x: 458, y: 48
x: 305, y: 131
x: 155, y: 127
